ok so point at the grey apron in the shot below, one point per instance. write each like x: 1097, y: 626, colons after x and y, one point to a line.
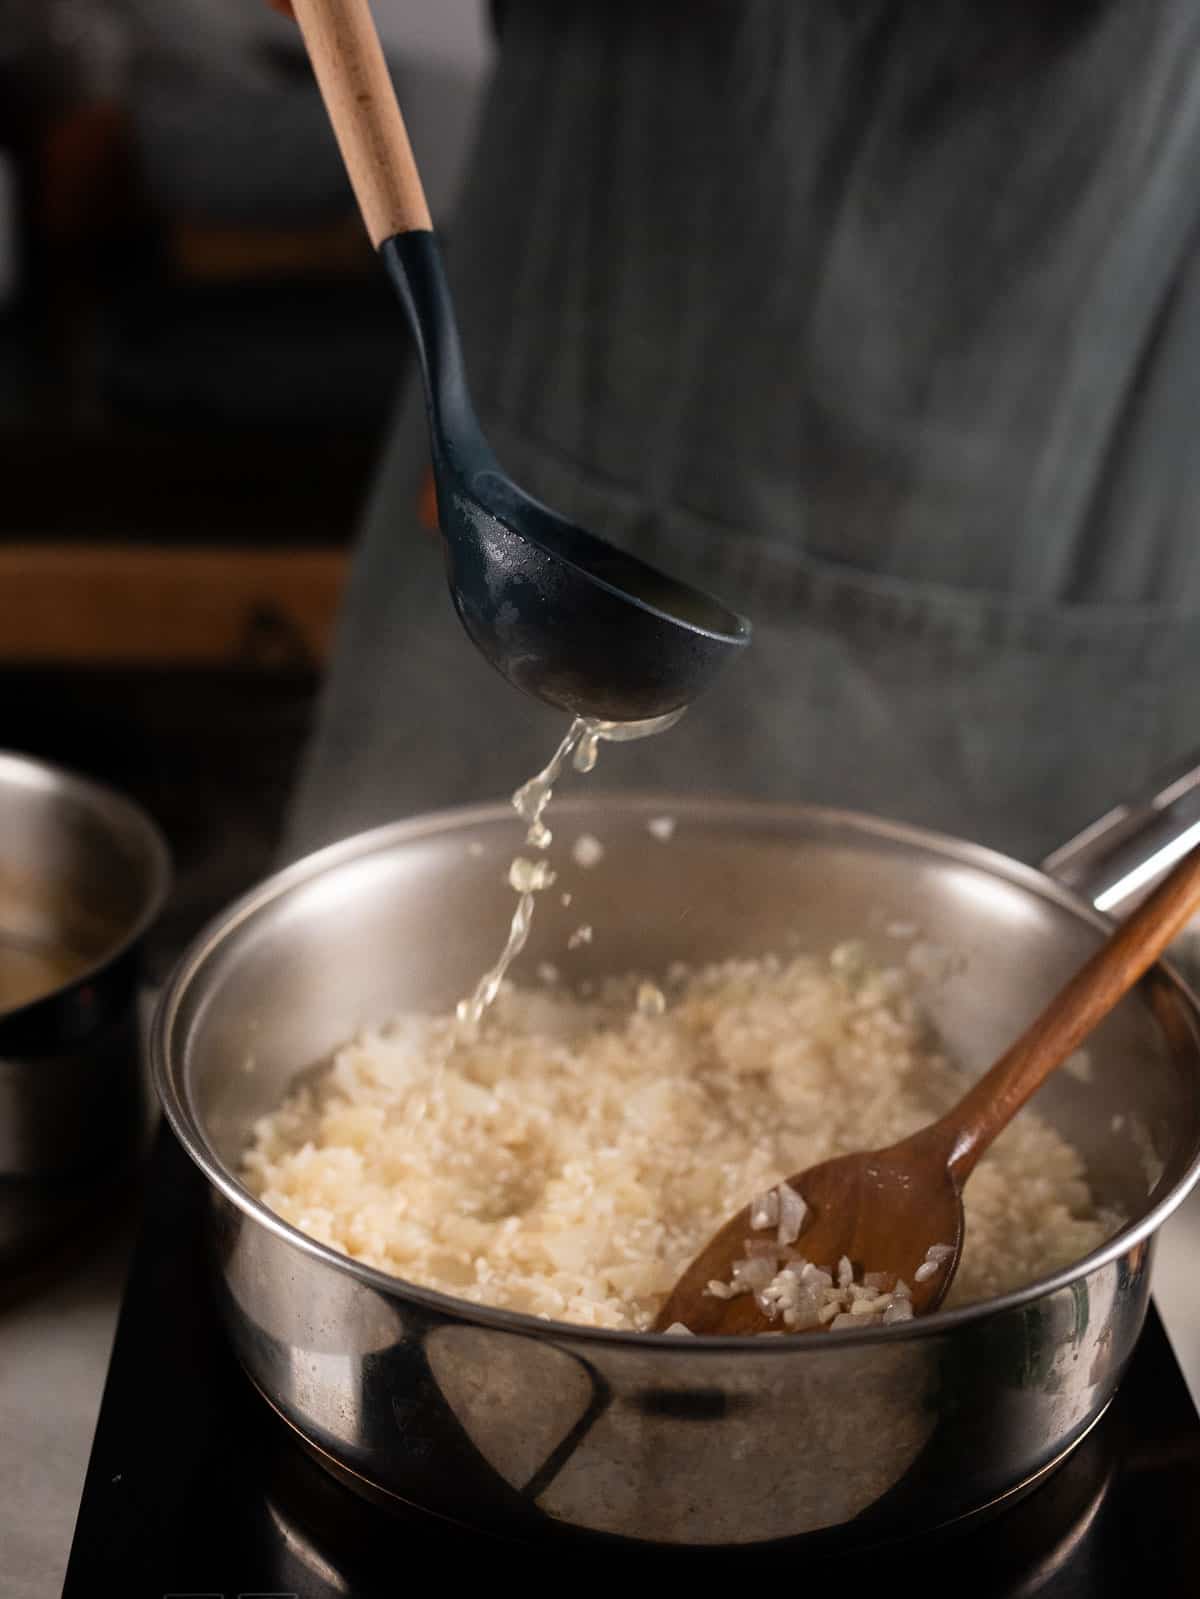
x: 880, y: 320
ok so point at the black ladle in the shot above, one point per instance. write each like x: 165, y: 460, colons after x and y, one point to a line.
x: 562, y: 614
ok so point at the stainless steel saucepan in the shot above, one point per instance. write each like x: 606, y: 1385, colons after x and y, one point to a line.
x: 83, y: 875
x: 531, y: 1428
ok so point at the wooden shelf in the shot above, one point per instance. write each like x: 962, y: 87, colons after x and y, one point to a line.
x: 128, y: 605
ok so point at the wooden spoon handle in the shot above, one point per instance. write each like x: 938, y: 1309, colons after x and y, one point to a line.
x: 1087, y: 999
x: 352, y: 74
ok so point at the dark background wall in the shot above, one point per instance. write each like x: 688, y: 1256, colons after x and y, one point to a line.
x: 197, y: 364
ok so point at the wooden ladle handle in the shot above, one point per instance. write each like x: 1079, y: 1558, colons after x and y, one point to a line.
x: 1094, y: 990
x: 350, y: 69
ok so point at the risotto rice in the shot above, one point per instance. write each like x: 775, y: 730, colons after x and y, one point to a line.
x: 574, y: 1156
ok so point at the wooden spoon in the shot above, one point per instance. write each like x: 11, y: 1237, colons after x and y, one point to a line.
x: 885, y: 1208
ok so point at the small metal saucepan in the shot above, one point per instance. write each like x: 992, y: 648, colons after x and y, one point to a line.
x: 530, y: 1428
x: 83, y: 874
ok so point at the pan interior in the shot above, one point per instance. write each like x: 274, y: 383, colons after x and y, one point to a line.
x: 406, y: 918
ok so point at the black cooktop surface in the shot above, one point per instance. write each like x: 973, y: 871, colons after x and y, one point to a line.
x: 195, y: 1488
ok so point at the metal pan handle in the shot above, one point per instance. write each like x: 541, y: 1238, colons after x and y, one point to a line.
x: 1116, y: 861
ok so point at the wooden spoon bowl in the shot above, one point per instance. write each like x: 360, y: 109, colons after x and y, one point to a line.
x: 866, y: 1208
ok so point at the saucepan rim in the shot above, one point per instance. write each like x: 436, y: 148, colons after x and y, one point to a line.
x: 168, y: 1063
x: 32, y: 773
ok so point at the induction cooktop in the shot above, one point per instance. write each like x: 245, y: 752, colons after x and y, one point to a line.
x: 196, y: 1488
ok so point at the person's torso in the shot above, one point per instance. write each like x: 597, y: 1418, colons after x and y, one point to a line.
x: 881, y: 320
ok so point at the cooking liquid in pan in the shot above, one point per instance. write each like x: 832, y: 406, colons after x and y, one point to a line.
x: 29, y: 970
x: 583, y: 738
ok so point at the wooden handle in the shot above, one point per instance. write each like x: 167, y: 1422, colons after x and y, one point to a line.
x: 352, y: 74
x: 1087, y: 999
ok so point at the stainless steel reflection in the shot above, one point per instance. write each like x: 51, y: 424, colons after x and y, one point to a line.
x: 533, y: 1428
x: 82, y: 870
x: 1119, y: 859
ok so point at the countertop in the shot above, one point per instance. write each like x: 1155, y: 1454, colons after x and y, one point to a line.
x: 54, y: 1348
x: 211, y: 755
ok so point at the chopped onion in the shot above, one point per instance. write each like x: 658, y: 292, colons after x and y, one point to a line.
x: 761, y: 1248
x: 764, y: 1210
x: 898, y: 1310
x: 753, y: 1275
x: 814, y: 1277
x: 792, y: 1211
